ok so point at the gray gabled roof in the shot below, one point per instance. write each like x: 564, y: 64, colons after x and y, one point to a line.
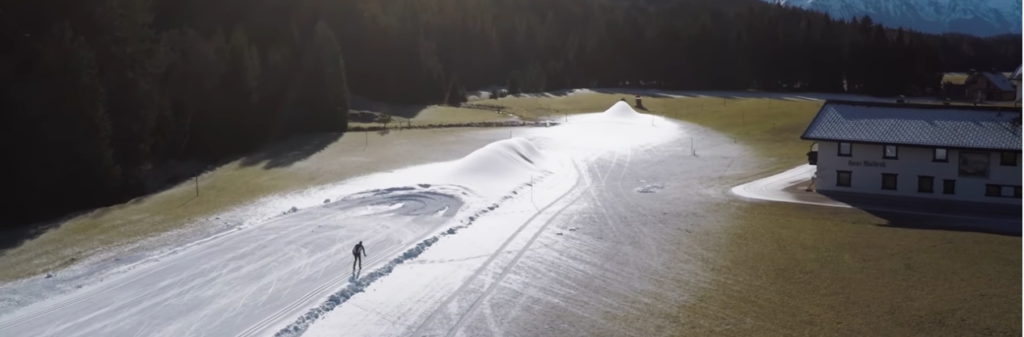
x: 999, y: 81
x: 963, y: 127
x: 1016, y: 75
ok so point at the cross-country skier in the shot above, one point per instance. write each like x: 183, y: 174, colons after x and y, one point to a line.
x: 358, y: 259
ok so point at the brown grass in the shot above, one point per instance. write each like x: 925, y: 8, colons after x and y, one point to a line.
x: 229, y: 186
x: 441, y: 115
x: 774, y: 270
x: 805, y: 270
x: 784, y: 269
x: 771, y: 126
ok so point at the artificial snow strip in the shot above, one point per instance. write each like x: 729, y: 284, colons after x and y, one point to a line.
x: 301, y: 324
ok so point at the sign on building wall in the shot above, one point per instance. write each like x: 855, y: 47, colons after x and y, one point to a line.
x: 866, y: 163
x: 974, y: 164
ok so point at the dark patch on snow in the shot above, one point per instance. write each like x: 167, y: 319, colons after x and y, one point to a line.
x: 424, y: 185
x: 650, y: 188
x: 524, y: 158
x: 392, y: 190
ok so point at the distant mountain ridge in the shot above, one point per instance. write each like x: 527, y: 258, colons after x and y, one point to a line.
x: 975, y: 17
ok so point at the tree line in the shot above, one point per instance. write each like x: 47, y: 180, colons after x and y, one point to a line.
x: 96, y: 95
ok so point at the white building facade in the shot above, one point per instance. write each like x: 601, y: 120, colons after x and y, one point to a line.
x: 940, y: 152
x: 920, y: 172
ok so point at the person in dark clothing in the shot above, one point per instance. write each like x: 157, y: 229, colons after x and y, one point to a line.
x: 358, y: 259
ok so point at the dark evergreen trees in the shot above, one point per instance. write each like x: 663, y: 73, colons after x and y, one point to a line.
x: 94, y: 94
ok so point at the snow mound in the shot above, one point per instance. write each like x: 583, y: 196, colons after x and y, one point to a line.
x: 620, y: 113
x: 619, y: 128
x: 622, y: 110
x: 511, y: 160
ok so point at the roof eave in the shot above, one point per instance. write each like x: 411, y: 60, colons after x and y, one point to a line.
x: 819, y: 139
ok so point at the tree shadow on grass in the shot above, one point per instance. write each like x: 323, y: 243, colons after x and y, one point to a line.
x: 926, y: 214
x: 291, y: 150
x: 654, y: 92
x: 278, y: 155
x: 361, y: 108
x: 13, y: 237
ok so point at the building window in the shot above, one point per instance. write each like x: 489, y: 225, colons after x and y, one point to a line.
x: 843, y: 178
x: 940, y: 156
x: 974, y: 164
x: 845, y: 149
x: 889, y: 181
x: 1006, y: 191
x: 1008, y: 159
x: 890, y: 152
x: 925, y: 184
x: 948, y: 186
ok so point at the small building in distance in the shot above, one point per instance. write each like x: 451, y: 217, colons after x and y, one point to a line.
x: 919, y: 150
x: 989, y: 86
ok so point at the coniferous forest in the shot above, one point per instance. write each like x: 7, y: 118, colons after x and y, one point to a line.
x: 96, y: 93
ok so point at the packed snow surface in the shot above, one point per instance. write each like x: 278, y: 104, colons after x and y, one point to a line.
x: 515, y: 159
x: 287, y: 271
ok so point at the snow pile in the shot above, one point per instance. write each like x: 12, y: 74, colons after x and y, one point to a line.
x: 619, y: 128
x: 510, y: 159
x: 622, y: 110
x: 620, y: 113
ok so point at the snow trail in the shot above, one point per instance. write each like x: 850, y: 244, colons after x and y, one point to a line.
x: 282, y: 275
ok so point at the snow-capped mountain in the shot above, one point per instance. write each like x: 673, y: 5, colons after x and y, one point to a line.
x: 976, y: 17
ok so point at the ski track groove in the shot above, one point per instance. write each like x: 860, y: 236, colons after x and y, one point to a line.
x: 519, y: 255
x: 497, y: 253
x: 263, y: 324
x: 494, y: 284
x: 118, y: 283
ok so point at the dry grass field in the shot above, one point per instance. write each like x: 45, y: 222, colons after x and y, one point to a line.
x: 291, y: 166
x: 775, y: 269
